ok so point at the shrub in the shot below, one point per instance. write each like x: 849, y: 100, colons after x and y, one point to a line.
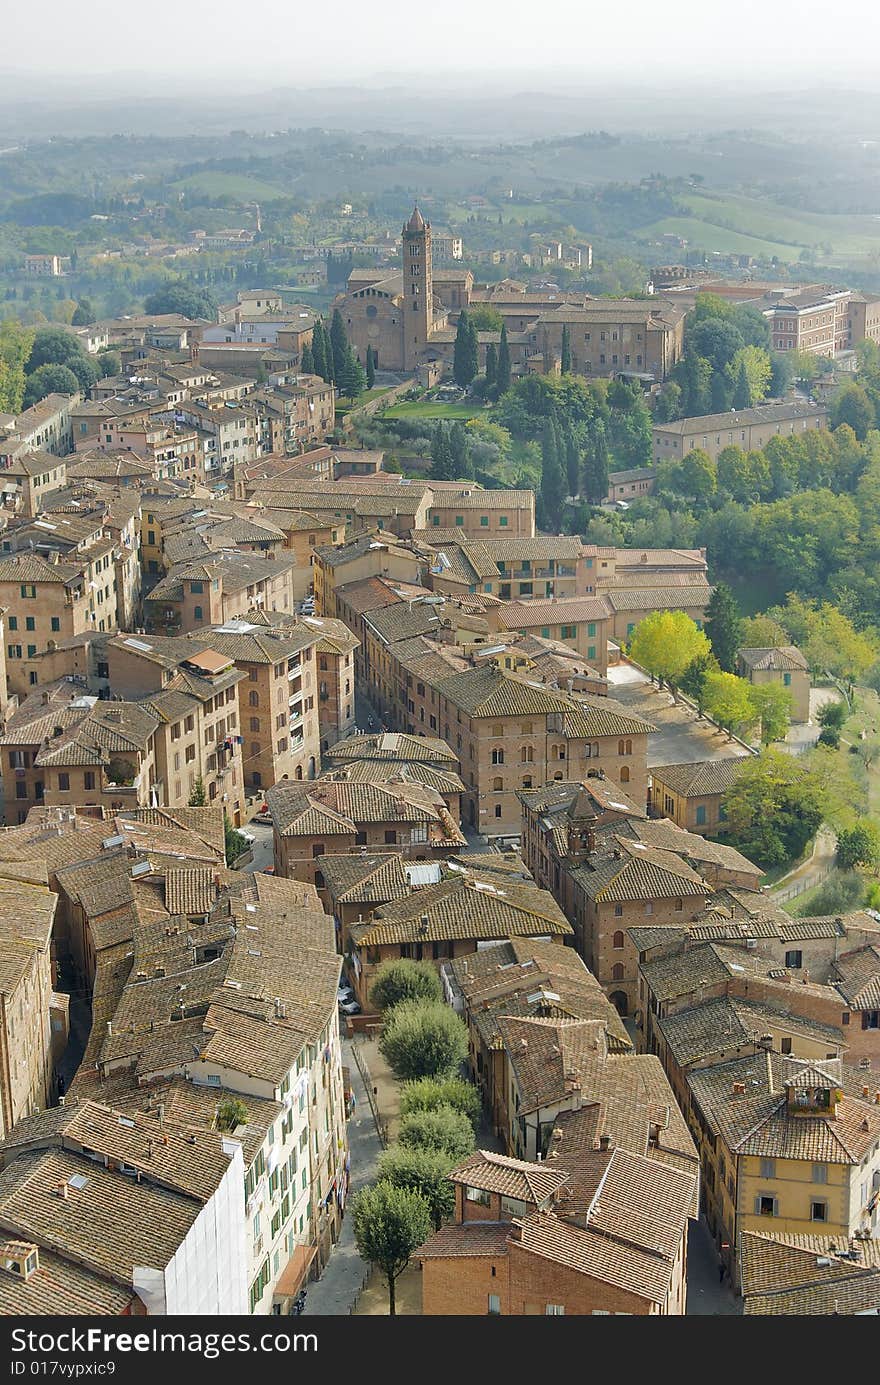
x: 430, y: 1092
x: 231, y: 1111
x: 399, y: 980
x: 837, y: 895
x: 443, y: 1129
x: 423, y: 1039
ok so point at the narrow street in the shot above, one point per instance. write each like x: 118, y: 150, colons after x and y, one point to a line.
x: 336, y: 1292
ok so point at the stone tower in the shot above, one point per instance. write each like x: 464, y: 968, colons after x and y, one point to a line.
x: 418, y: 289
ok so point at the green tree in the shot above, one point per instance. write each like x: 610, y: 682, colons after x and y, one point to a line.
x: 566, y: 350
x: 668, y: 404
x: 231, y: 1112
x: 184, y: 299
x: 198, y: 798
x: 729, y: 701
x: 423, y: 1039
x: 774, y: 806
x: 338, y: 346
x: 389, y: 1224
x: 322, y: 351
x: 403, y: 979
x: 742, y: 390
x: 698, y: 478
x: 491, y: 366
x: 485, y: 318
x: 572, y: 459
x: 430, y: 1092
x: 16, y: 344
x: 371, y: 368
x: 352, y: 380
x: 442, y: 466
x: 723, y: 626
x: 444, y: 1129
x: 83, y: 314
x: 852, y: 406
x: 828, y: 640
x: 693, y: 680
x: 832, y: 714
x: 773, y: 705
x: 465, y: 357
x: 422, y: 1170
x: 54, y: 346
x: 552, y: 478
x: 666, y: 643
x: 761, y: 632
x: 859, y: 845
x: 502, y: 374
x: 693, y: 375
x: 595, y: 476
x: 459, y: 447
x: 49, y: 379
x: 307, y: 360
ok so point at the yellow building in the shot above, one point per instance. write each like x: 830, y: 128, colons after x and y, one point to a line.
x: 788, y: 1146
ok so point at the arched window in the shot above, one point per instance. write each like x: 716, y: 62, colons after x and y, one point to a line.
x: 624, y: 774
x: 527, y: 781
x: 253, y: 699
x: 617, y: 971
x: 621, y: 747
x: 497, y: 757
x: 617, y: 940
x: 497, y: 785
x: 299, y: 771
x: 558, y: 774
x: 527, y: 755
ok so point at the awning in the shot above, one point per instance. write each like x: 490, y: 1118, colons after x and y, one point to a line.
x: 295, y: 1271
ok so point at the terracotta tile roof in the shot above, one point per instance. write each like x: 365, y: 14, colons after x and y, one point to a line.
x: 856, y: 975
x: 637, y: 876
x: 660, y: 598
x: 724, y: 1024
x: 780, y: 657
x: 701, y: 778
x: 438, y: 781
x: 758, y: 1122
x: 365, y: 879
x: 591, y: 716
x: 487, y: 692
x: 592, y: 1253
x: 471, y: 1240
x: 190, y: 890
x: 526, y: 615
x: 392, y: 745
x: 667, y: 836
x: 334, y: 807
x: 465, y: 908
x: 59, y: 1281
x: 497, y: 1173
x: 784, y: 1276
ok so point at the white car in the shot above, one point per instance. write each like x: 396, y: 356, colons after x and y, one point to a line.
x: 349, y: 1007
x: 250, y: 837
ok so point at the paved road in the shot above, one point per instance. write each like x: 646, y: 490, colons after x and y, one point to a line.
x: 262, y: 847
x: 336, y: 1292
x: 706, y: 1296
x: 680, y: 737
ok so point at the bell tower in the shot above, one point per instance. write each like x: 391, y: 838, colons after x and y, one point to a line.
x: 418, y: 289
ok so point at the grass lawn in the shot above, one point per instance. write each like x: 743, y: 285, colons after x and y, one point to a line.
x: 429, y: 408
x: 230, y: 185
x: 705, y: 236
x: 361, y: 399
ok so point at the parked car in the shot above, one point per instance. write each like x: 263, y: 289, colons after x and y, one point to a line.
x: 268, y: 870
x: 349, y: 1007
x: 344, y: 993
x: 250, y: 837
x: 263, y: 814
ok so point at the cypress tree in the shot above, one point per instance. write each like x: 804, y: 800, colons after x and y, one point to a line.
x: 371, y: 368
x: 720, y: 393
x: 460, y: 452
x: 491, y: 364
x: 572, y: 459
x: 307, y: 361
x: 742, y: 392
x: 566, y: 353
x: 723, y: 626
x: 502, y: 373
x: 464, y: 367
x: 319, y: 350
x: 595, y: 479
x: 338, y: 344
x: 442, y: 467
x: 552, y: 481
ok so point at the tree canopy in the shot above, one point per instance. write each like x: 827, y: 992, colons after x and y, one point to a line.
x: 423, y: 1039
x: 403, y: 979
x: 390, y: 1222
x: 665, y: 643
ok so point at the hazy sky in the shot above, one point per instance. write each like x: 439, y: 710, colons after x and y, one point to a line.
x: 296, y: 43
